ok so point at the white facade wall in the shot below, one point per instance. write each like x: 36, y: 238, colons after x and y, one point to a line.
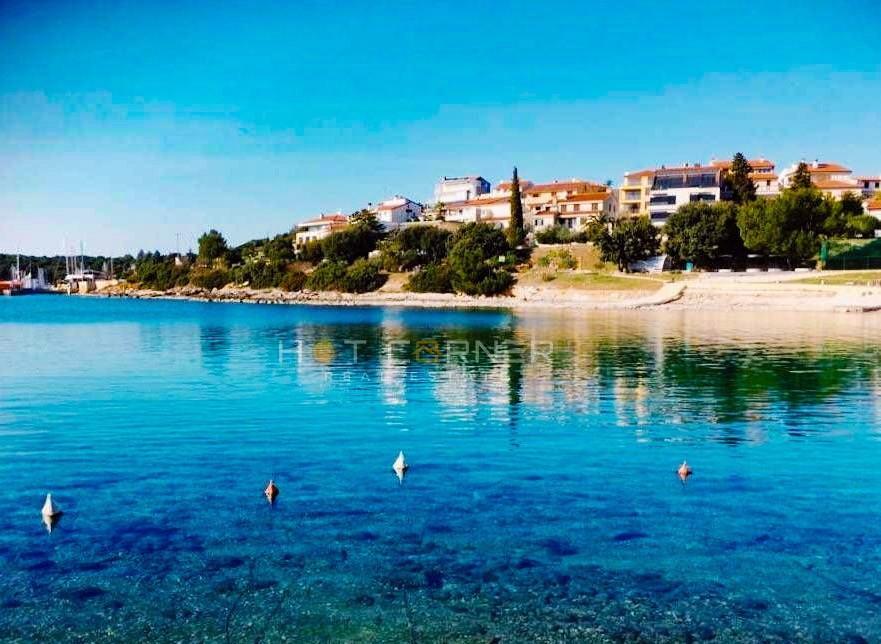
x: 678, y: 197
x: 453, y: 189
x: 394, y: 212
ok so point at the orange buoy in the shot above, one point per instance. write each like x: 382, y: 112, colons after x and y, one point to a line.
x: 271, y: 491
x: 684, y: 471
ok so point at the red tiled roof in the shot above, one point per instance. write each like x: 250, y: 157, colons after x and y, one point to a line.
x: 565, y: 186
x: 690, y: 168
x: 588, y: 196
x: 725, y: 164
x: 875, y: 203
x: 640, y: 173
x: 878, y: 178
x: 506, y: 185
x: 827, y: 167
x: 323, y: 219
x: 485, y: 202
x: 762, y: 175
x: 835, y: 185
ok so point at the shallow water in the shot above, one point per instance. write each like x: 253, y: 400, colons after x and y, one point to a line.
x: 542, y: 502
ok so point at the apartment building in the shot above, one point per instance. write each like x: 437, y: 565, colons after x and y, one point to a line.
x: 633, y: 195
x: 870, y: 186
x: 675, y: 187
x: 577, y: 210
x: 455, y: 189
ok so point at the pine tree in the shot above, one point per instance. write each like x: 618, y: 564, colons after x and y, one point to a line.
x: 801, y: 178
x: 741, y: 186
x: 516, y: 233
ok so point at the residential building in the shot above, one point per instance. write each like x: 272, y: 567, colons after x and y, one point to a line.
x: 763, y: 175
x: 634, y: 193
x: 873, y: 206
x: 489, y: 209
x: 870, y: 186
x: 319, y: 228
x: 453, y: 189
x: 832, y: 179
x: 577, y: 210
x: 398, y: 210
x: 675, y: 187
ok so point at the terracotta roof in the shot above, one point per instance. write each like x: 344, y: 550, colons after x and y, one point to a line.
x: 506, y: 185
x: 835, y: 185
x: 690, y: 168
x: 878, y: 178
x: 754, y: 163
x: 588, y: 196
x: 874, y: 203
x: 485, y: 202
x: 762, y: 175
x: 564, y: 186
x: 640, y: 173
x: 325, y: 219
x: 827, y: 167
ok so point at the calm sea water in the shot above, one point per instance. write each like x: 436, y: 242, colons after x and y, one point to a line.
x: 541, y: 504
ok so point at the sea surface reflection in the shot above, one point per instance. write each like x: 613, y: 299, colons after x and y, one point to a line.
x: 541, y: 504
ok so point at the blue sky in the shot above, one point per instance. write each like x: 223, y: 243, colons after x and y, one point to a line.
x: 123, y: 124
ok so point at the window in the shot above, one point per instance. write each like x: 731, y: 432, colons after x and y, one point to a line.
x: 594, y: 206
x: 539, y: 222
x: 666, y: 200
x: 576, y: 207
x: 563, y: 208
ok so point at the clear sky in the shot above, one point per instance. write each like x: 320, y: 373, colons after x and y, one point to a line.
x: 124, y: 124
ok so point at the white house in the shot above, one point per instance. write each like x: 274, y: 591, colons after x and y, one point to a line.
x: 453, y: 189
x: 832, y: 179
x: 486, y: 209
x: 675, y: 187
x: 398, y: 210
x: 319, y: 228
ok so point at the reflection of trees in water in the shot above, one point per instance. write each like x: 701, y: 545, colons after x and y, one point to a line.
x: 215, y: 345
x: 646, y: 378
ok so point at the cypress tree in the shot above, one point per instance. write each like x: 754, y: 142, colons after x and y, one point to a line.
x: 801, y: 178
x: 516, y: 233
x: 742, y: 187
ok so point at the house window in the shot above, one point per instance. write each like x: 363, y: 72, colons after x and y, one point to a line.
x: 576, y: 207
x: 563, y: 208
x: 539, y: 222
x: 594, y: 206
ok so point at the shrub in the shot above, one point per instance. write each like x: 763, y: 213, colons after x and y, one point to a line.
x: 349, y: 244
x: 560, y: 235
x: 434, y: 278
x: 327, y: 277
x: 863, y: 226
x: 559, y: 259
x: 311, y: 252
x: 293, y: 281
x: 210, y: 279
x: 415, y: 246
x: 361, y: 277
x: 474, y: 260
x: 630, y: 240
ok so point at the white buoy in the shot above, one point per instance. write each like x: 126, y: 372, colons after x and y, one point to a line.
x: 400, y: 466
x: 51, y: 513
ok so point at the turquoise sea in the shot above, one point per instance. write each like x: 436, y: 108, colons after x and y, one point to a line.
x: 541, y: 503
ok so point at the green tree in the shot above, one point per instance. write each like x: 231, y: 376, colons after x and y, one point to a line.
x: 516, y: 233
x: 408, y: 248
x: 474, y: 260
x: 801, y: 179
x: 349, y: 244
x: 787, y: 226
x: 212, y: 246
x: 702, y: 233
x: 738, y: 181
x: 630, y: 240
x: 367, y: 218
x: 850, y: 205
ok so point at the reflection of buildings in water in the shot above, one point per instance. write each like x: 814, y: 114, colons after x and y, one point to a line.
x: 631, y: 401
x: 393, y: 375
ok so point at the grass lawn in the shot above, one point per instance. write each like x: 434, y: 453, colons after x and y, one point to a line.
x: 843, y: 278
x: 590, y: 281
